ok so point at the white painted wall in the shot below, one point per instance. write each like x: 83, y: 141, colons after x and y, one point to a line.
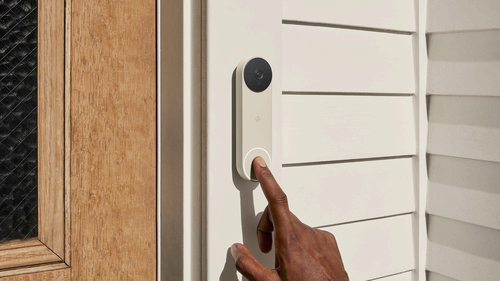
x: 351, y: 113
x: 349, y: 109
x: 464, y: 137
x: 345, y: 115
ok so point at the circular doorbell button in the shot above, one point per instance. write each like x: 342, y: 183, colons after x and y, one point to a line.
x: 249, y: 160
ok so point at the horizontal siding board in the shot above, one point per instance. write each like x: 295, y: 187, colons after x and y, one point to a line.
x: 463, y: 78
x: 433, y: 276
x: 467, y: 127
x: 461, y: 266
x: 464, y: 189
x: 331, y: 127
x: 382, y: 14
x: 376, y: 248
x: 405, y: 276
x: 322, y: 59
x: 458, y: 15
x: 464, y: 63
x: 464, y: 141
x: 343, y: 192
x: 464, y: 204
x: 479, y: 46
x: 463, y: 251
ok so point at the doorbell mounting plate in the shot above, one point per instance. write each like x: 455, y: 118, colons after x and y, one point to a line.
x: 254, y: 98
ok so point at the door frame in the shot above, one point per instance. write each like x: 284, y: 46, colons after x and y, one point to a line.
x: 181, y: 139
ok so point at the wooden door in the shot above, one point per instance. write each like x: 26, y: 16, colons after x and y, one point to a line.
x: 96, y: 145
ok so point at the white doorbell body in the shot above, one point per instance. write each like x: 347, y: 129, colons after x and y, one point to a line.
x: 253, y: 114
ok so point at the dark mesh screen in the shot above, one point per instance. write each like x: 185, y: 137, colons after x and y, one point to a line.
x: 18, y: 115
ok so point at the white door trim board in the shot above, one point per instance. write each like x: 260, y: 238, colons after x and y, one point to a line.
x: 420, y: 171
x: 180, y: 123
x: 235, y: 30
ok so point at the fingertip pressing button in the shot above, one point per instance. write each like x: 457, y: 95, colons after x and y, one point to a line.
x: 250, y: 156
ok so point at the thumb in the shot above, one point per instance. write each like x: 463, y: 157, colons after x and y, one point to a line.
x: 247, y: 265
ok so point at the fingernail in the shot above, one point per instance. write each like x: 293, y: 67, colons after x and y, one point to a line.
x: 233, y: 251
x: 260, y: 161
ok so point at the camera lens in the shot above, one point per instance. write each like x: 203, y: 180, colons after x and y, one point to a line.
x: 259, y: 74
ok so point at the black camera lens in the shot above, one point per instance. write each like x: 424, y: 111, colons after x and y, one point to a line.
x: 258, y: 74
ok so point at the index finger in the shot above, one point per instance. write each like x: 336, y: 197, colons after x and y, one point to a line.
x: 278, y: 202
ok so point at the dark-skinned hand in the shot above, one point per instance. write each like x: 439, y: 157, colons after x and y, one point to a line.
x: 302, y: 253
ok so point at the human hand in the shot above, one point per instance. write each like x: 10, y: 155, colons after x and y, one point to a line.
x: 302, y: 252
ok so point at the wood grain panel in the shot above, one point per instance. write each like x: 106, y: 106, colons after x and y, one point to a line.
x: 67, y: 133
x: 325, y: 128
x: 464, y: 189
x: 382, y: 14
x: 458, y: 15
x: 463, y: 251
x: 51, y: 272
x: 350, y: 191
x: 113, y: 140
x: 464, y: 63
x: 51, y: 120
x: 322, y: 59
x: 376, y: 248
x: 467, y: 127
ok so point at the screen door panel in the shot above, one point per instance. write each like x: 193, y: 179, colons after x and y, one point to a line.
x: 18, y: 119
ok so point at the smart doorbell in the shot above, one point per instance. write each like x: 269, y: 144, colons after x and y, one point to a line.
x: 254, y: 89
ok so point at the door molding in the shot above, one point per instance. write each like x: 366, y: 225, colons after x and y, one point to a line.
x: 190, y: 103
x: 181, y: 143
x: 50, y: 250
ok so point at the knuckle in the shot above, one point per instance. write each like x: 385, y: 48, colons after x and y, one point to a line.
x: 292, y: 239
x: 289, y: 238
x: 326, y: 234
x: 280, y: 198
x: 242, y: 264
x: 331, y: 237
x: 313, y: 233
